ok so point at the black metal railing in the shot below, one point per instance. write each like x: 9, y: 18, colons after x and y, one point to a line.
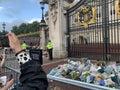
x: 85, y: 34
x: 8, y: 71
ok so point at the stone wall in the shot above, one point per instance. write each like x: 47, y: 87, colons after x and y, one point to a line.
x: 35, y: 40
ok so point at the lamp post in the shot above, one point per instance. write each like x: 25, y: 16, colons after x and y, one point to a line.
x: 42, y: 3
x: 4, y: 27
x: 42, y: 24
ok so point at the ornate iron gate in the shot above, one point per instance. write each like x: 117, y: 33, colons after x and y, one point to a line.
x: 94, y: 29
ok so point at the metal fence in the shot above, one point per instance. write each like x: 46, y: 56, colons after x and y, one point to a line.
x: 59, y: 83
x: 8, y: 71
x: 93, y: 29
x: 11, y: 73
x: 55, y: 83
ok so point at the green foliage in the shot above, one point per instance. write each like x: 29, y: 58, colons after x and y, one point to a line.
x: 3, y: 32
x: 111, y: 85
x: 4, y: 41
x: 25, y: 28
x: 15, y: 30
x: 74, y: 75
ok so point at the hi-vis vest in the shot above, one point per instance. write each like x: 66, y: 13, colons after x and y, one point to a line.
x: 24, y: 46
x: 49, y: 45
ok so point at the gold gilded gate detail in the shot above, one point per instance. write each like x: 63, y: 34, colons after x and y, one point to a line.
x: 117, y: 7
x: 86, y: 15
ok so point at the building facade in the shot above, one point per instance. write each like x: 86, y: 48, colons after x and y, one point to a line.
x: 57, y: 26
x: 84, y: 28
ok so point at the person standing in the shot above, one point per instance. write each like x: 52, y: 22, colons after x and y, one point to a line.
x: 24, y: 45
x: 49, y: 47
x: 2, y: 61
x: 32, y: 76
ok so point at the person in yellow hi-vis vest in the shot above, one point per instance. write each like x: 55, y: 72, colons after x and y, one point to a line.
x: 49, y: 47
x: 24, y: 45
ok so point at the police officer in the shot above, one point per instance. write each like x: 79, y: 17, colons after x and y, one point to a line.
x: 24, y: 45
x: 49, y: 47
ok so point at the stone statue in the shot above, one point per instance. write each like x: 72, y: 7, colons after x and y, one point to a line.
x: 53, y: 9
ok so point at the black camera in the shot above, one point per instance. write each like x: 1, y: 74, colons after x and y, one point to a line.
x: 36, y: 54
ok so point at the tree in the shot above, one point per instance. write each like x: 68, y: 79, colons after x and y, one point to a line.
x: 15, y: 30
x: 23, y: 28
x: 4, y: 40
x: 26, y: 28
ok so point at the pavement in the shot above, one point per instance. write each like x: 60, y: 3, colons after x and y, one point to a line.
x: 12, y: 62
x: 46, y: 60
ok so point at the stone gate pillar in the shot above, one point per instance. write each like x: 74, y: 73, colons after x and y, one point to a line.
x: 57, y: 26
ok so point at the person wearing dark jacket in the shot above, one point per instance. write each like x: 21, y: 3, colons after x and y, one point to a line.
x: 32, y: 75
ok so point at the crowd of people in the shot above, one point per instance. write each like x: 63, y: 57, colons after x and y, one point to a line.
x: 32, y: 75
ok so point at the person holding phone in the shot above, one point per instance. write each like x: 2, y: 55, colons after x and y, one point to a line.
x: 2, y: 61
x: 32, y: 75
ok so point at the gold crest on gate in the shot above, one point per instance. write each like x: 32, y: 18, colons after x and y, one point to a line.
x: 86, y: 15
x: 117, y: 7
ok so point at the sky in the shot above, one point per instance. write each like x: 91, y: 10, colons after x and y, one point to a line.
x: 15, y: 12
